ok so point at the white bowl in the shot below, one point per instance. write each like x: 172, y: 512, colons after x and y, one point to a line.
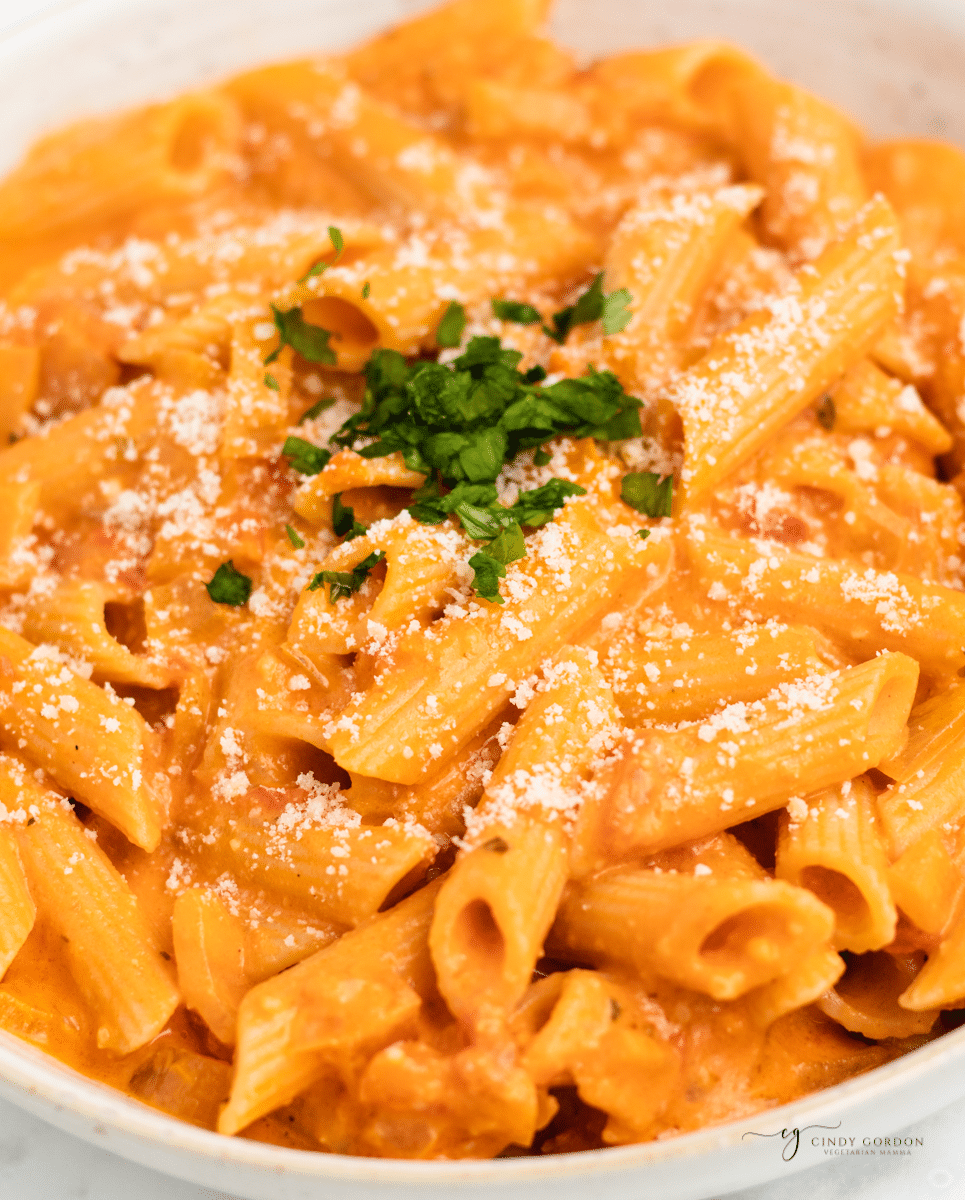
x: 899, y: 67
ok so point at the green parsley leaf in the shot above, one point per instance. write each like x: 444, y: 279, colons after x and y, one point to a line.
x: 593, y: 305
x: 489, y: 564
x: 305, y: 457
x: 338, y: 244
x: 826, y: 413
x: 643, y: 534
x: 452, y: 325
x: 271, y: 382
x: 534, y: 375
x: 310, y: 341
x: 588, y: 307
x: 539, y: 506
x: 293, y: 537
x: 366, y: 290
x: 648, y: 493
x: 516, y: 311
x: 616, y: 312
x: 542, y: 458
x: 486, y: 577
x: 345, y: 583
x: 229, y: 586
x: 343, y: 520
x: 318, y: 407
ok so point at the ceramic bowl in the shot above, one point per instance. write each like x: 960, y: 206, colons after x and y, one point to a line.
x: 899, y: 67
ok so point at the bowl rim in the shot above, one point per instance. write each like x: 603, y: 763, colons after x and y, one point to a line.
x: 26, y: 1069
x: 37, y: 1082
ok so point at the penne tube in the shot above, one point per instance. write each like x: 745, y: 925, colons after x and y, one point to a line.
x: 339, y: 870
x: 831, y: 845
x: 941, y: 981
x: 410, y: 284
x: 331, y: 1010
x: 716, y: 933
x: 926, y: 883
x: 463, y: 39
x: 870, y: 997
x: 928, y: 778
x: 499, y: 899
x: 867, y: 400
x: 493, y: 916
x: 98, y: 171
x: 88, y: 740
x: 210, y: 957
x: 665, y: 679
x: 348, y: 470
x: 72, y: 618
x: 72, y: 458
x: 106, y: 939
x: 575, y: 569
x: 866, y: 610
x: 665, y: 251
x: 755, y: 378
x: 424, y: 565
x: 807, y: 156
x: 692, y: 85
x: 18, y: 511
x: 256, y: 403
x: 592, y: 1038
x: 671, y: 787
x: 806, y: 982
x: 16, y: 903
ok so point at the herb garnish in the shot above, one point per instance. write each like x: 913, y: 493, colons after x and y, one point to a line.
x: 310, y: 341
x: 648, y: 493
x: 516, y: 311
x: 293, y: 536
x: 271, y: 382
x: 459, y: 423
x: 318, y: 407
x: 338, y: 244
x: 343, y: 520
x: 229, y: 586
x: 449, y: 333
x: 345, y: 583
x: 305, y: 457
x: 593, y: 305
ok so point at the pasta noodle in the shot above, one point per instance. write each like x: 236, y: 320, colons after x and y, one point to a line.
x: 481, y: 595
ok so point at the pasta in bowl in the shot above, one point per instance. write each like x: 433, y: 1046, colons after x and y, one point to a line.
x: 480, y: 631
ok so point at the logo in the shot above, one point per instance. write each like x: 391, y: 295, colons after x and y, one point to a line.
x: 842, y: 1145
x: 791, y: 1137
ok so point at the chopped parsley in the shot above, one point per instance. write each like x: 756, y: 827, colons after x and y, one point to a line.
x: 648, y: 493
x: 318, y: 407
x: 338, y: 245
x: 346, y: 583
x: 826, y: 413
x: 293, y: 536
x: 305, y: 457
x: 343, y: 520
x: 516, y: 311
x: 229, y: 586
x: 449, y: 333
x: 271, y: 382
x: 310, y: 341
x: 366, y: 290
x: 459, y: 423
x: 593, y: 305
x: 489, y: 563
